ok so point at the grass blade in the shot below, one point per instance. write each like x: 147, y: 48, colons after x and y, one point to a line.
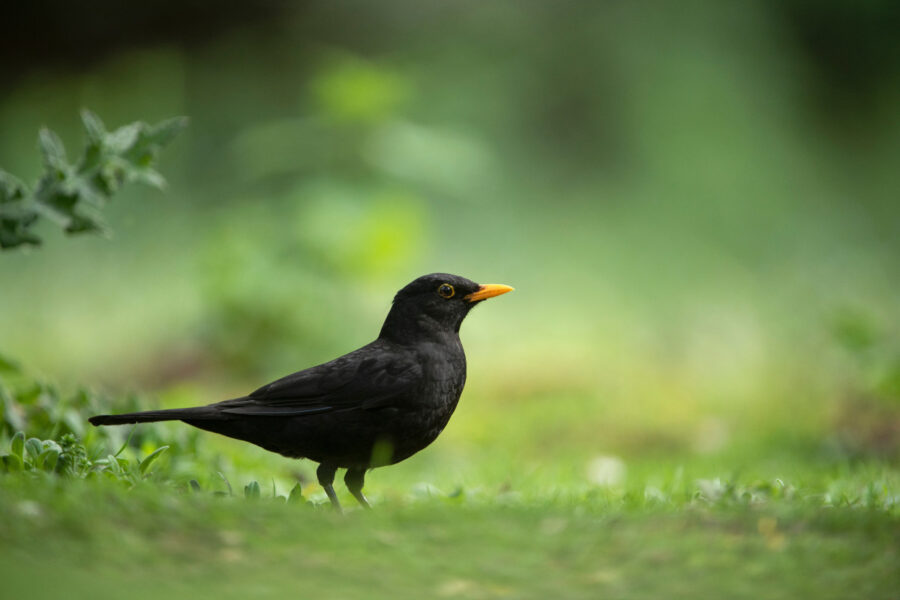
x: 148, y: 460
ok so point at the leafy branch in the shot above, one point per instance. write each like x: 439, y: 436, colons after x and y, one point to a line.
x: 73, y: 195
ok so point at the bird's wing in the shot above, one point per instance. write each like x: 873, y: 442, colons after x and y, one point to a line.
x: 368, y: 378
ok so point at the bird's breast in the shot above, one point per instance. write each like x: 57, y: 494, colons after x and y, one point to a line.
x: 444, y: 376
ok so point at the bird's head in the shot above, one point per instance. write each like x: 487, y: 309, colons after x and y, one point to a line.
x: 436, y: 303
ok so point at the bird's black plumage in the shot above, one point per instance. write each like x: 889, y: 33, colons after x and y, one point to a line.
x: 375, y: 406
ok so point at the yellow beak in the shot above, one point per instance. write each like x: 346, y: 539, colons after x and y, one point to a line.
x: 488, y: 290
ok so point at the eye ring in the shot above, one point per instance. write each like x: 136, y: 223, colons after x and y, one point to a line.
x: 445, y: 290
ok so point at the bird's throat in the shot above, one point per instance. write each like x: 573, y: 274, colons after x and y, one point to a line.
x: 406, y: 324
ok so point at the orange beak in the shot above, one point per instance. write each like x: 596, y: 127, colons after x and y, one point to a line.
x: 488, y: 290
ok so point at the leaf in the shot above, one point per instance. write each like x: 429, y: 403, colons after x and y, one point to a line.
x: 17, y: 445
x: 50, y: 202
x: 48, y: 458
x: 12, y: 190
x: 51, y: 445
x: 150, y: 141
x: 127, y: 440
x: 296, y: 494
x: 94, y: 127
x: 12, y: 463
x: 150, y: 458
x: 34, y: 447
x: 52, y: 150
x: 149, y: 177
x: 113, y: 464
x: 11, y: 237
x: 251, y: 490
x: 227, y: 483
x: 84, y: 224
x: 165, y: 131
x: 73, y: 195
x: 123, y: 139
x: 17, y: 213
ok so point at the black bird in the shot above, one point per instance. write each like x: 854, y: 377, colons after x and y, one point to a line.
x: 375, y: 406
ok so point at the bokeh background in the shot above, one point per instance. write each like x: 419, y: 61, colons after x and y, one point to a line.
x: 698, y: 204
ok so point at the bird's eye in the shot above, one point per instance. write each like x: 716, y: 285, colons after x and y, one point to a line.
x: 446, y: 290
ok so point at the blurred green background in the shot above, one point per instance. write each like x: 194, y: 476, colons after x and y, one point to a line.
x: 698, y: 204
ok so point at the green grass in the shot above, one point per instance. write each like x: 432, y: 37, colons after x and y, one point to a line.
x: 836, y: 537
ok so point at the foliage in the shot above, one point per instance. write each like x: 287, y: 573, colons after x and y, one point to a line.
x: 40, y: 409
x: 57, y: 440
x: 43, y: 432
x: 69, y: 457
x: 73, y: 194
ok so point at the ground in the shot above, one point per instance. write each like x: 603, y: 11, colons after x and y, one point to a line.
x: 837, y: 538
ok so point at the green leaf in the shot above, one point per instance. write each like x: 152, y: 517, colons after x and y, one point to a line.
x: 17, y: 213
x: 49, y: 455
x: 48, y: 459
x: 149, y: 177
x: 13, y: 463
x: 123, y: 139
x: 113, y: 465
x: 34, y: 447
x: 251, y: 490
x: 52, y: 150
x: 227, y: 483
x: 13, y: 236
x: 127, y: 440
x: 94, y: 127
x: 296, y: 494
x: 17, y: 445
x: 51, y: 445
x: 165, y: 131
x: 11, y: 187
x: 150, y: 458
x: 74, y: 195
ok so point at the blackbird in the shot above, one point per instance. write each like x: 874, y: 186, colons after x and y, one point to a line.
x: 375, y: 406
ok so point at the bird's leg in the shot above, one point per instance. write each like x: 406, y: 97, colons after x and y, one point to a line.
x: 355, y: 479
x: 325, y: 474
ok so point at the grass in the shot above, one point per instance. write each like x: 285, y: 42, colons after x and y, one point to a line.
x: 836, y: 537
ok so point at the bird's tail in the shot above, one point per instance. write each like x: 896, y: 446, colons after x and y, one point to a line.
x: 172, y: 414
